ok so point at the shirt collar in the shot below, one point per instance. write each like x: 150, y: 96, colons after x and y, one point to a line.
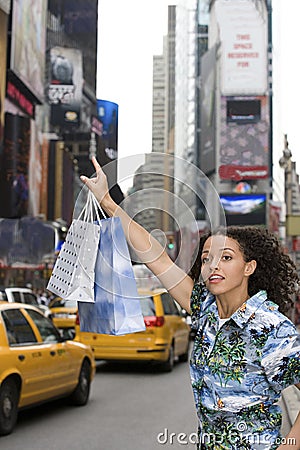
x: 245, y: 312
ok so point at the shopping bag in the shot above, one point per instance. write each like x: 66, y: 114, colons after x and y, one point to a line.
x: 117, y: 308
x: 72, y: 277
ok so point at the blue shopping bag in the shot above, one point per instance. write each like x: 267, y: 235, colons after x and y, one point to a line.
x: 117, y: 308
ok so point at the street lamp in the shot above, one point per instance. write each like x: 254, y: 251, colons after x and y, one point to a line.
x: 285, y: 163
x: 292, y: 217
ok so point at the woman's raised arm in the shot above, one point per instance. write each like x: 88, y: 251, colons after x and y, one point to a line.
x: 146, y: 247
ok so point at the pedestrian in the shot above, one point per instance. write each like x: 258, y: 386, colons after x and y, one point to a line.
x: 246, y: 350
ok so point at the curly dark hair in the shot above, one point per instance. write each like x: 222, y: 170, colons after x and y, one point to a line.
x: 275, y: 273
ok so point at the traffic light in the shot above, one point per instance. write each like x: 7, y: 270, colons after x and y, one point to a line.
x: 171, y: 244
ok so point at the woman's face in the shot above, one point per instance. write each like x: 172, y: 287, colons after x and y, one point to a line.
x: 223, y: 268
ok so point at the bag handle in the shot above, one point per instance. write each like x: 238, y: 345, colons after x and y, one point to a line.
x: 89, y: 208
x: 96, y: 206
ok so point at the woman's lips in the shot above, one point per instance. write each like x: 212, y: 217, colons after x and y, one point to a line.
x: 214, y: 279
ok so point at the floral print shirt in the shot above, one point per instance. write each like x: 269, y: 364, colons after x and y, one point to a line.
x: 239, y: 370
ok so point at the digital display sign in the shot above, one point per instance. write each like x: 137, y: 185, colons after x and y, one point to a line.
x: 248, y: 209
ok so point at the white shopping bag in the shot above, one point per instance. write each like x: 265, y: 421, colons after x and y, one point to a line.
x: 73, y: 274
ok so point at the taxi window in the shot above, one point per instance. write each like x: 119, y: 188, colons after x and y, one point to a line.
x: 170, y: 309
x: 18, y: 329
x: 147, y: 306
x: 30, y: 299
x: 47, y: 331
x: 17, y: 296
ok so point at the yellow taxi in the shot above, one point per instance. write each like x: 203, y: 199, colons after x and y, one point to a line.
x: 166, y: 338
x: 63, y: 314
x: 37, y: 364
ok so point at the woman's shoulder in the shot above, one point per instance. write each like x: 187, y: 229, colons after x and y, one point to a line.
x: 271, y: 315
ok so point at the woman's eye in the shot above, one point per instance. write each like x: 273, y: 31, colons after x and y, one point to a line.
x: 227, y: 257
x: 205, y: 260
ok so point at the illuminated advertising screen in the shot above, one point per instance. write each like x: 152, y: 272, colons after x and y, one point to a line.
x: 107, y: 153
x: 247, y: 209
x: 28, y: 43
x: 65, y: 89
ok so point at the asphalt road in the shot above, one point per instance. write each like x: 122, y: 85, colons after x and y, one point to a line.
x: 131, y: 407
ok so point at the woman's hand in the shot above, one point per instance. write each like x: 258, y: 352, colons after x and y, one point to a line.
x: 98, y: 185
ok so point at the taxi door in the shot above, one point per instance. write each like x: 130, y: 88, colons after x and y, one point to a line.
x: 56, y: 357
x: 24, y: 354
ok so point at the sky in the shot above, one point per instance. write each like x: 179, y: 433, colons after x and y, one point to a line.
x: 129, y: 34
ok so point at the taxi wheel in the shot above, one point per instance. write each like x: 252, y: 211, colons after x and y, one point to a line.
x: 9, y: 398
x: 81, y: 394
x: 168, y: 365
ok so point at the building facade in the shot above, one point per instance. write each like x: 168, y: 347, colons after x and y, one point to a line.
x: 49, y: 120
x: 240, y: 161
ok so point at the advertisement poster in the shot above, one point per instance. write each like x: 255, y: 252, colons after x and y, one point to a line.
x: 65, y: 89
x: 28, y: 43
x: 108, y: 142
x: 243, y: 32
x: 244, y: 138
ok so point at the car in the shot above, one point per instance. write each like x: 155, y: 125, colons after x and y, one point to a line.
x: 37, y: 364
x: 165, y: 339
x: 23, y: 295
x: 63, y: 314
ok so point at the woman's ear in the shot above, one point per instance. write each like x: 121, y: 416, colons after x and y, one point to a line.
x: 250, y: 267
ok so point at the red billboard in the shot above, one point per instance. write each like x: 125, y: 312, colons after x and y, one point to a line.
x: 244, y: 138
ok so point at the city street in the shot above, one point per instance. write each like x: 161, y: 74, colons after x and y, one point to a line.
x: 129, y: 406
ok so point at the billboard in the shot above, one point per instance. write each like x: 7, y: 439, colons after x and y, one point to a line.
x: 28, y: 43
x: 244, y: 39
x: 247, y: 209
x: 65, y: 89
x: 107, y: 143
x: 244, y: 138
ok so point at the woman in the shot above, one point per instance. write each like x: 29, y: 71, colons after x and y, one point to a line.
x: 246, y: 350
